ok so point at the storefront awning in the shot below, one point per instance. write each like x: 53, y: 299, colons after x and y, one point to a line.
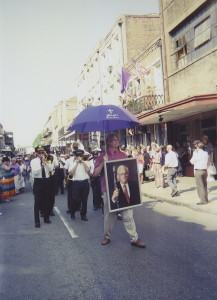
x: 69, y: 134
x: 179, y: 110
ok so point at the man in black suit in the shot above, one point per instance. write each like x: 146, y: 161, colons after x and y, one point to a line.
x: 127, y: 192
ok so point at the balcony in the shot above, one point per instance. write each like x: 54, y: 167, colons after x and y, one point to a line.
x: 145, y: 103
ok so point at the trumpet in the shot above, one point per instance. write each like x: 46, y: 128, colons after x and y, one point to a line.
x: 48, y: 158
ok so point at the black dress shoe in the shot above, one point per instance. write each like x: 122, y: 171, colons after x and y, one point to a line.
x: 37, y: 225
x: 94, y: 208
x: 119, y: 217
x: 42, y: 214
x: 52, y: 214
x: 68, y: 211
x: 72, y: 216
x: 47, y: 221
x: 84, y: 218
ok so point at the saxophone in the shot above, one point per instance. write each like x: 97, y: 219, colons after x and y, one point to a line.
x: 69, y: 178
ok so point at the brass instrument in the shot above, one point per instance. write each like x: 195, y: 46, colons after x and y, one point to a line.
x: 48, y: 158
x: 68, y: 179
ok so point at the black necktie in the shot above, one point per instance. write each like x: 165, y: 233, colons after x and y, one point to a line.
x: 43, y: 170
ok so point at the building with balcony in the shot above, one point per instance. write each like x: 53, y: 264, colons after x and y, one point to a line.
x: 189, y: 51
x: 146, y: 93
x: 6, y: 142
x: 99, y: 81
x: 55, y: 131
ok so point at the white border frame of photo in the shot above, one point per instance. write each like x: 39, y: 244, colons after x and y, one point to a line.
x: 111, y: 181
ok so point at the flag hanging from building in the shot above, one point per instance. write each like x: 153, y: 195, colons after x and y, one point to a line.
x: 125, y: 77
x: 140, y: 70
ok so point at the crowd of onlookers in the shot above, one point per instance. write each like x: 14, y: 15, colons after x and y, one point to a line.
x: 151, y: 160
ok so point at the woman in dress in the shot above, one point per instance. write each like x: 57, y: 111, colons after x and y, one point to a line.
x: 157, y: 169
x: 140, y: 160
x: 22, y: 175
x: 7, y: 180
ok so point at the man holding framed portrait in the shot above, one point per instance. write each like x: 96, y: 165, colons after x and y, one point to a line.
x: 110, y: 187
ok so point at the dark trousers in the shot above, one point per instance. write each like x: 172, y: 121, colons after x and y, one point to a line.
x: 201, y: 184
x: 40, y: 191
x: 78, y: 196
x: 51, y: 192
x: 59, y: 181
x: 146, y: 167
x: 96, y: 188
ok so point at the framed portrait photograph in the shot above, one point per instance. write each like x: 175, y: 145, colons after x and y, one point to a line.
x: 122, y: 184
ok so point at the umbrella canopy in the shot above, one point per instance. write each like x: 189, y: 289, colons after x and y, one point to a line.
x: 103, y: 118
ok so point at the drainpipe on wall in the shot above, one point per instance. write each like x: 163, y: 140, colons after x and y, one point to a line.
x: 163, y: 56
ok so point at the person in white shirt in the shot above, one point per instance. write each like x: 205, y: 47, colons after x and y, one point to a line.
x: 41, y: 171
x: 171, y: 162
x: 59, y: 173
x: 53, y: 160
x: 78, y: 187
x: 200, y: 162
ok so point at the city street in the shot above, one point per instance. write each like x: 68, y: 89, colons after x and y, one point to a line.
x: 65, y: 260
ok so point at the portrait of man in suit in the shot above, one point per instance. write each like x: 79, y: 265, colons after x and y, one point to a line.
x: 124, y: 192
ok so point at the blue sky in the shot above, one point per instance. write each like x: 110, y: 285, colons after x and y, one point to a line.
x: 44, y: 44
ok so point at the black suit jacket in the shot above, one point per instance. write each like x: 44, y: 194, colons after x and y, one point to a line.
x: 122, y: 201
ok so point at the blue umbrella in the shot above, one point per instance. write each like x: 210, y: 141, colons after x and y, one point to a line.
x: 105, y: 118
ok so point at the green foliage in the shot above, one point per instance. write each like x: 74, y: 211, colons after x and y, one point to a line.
x: 37, y: 141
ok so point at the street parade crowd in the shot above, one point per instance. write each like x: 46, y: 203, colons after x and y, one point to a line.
x: 51, y: 173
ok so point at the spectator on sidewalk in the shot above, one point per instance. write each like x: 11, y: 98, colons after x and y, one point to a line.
x: 209, y: 148
x: 157, y: 169
x: 171, y: 162
x: 140, y: 160
x: 16, y: 173
x: 7, y: 180
x: 181, y: 152
x: 200, y: 162
x: 146, y: 163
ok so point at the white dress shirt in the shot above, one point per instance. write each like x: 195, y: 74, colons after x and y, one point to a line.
x: 171, y: 160
x: 61, y: 162
x: 199, y: 159
x: 36, y: 168
x: 80, y: 172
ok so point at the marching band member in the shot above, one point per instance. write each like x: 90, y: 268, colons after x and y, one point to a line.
x: 53, y: 161
x: 78, y: 187
x: 59, y: 173
x: 41, y: 171
x: 95, y: 183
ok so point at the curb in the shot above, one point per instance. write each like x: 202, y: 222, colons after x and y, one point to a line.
x: 173, y: 202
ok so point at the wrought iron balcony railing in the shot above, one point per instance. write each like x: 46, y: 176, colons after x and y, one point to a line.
x: 145, y: 103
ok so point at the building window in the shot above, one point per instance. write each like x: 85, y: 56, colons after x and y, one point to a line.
x: 202, y: 33
x: 181, y: 51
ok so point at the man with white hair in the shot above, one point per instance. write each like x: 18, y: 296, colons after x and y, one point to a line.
x: 171, y: 162
x: 127, y: 192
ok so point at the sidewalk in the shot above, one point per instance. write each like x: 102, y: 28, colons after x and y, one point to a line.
x: 187, y: 194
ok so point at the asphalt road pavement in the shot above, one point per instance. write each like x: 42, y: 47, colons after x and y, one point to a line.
x: 65, y: 260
